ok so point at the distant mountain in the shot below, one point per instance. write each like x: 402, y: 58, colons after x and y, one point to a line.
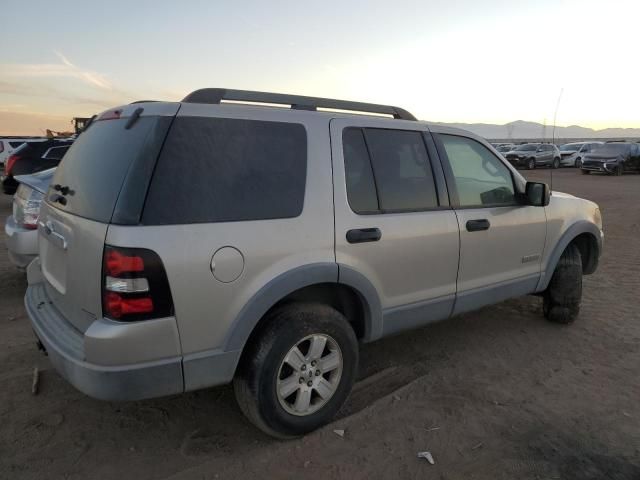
x: 532, y: 130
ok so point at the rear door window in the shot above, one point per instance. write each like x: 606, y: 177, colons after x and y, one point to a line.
x: 387, y: 171
x: 224, y: 170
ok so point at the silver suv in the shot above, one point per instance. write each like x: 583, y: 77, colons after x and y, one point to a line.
x: 186, y: 245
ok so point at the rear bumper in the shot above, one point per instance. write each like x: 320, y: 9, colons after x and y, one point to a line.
x: 21, y: 243
x: 66, y: 348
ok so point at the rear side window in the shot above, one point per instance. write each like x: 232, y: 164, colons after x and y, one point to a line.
x: 401, y: 178
x: 225, y: 170
x: 55, y: 153
x: 97, y: 163
x: 15, y: 144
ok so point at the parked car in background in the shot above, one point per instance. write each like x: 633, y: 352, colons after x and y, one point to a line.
x: 9, y: 144
x: 32, y: 157
x: 614, y: 158
x: 532, y: 155
x: 300, y: 246
x: 572, y: 153
x: 503, y: 148
x: 21, y: 227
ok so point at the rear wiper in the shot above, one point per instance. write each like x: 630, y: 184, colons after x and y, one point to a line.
x: 134, y: 118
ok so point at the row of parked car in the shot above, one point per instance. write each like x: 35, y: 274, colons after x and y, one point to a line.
x: 614, y: 157
x: 184, y: 245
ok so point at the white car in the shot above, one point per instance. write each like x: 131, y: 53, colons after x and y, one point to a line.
x: 572, y: 153
x: 21, y: 227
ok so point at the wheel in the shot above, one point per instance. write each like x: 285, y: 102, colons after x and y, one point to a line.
x: 298, y: 370
x: 555, y: 163
x: 531, y: 164
x: 578, y: 163
x: 619, y: 171
x: 561, y: 299
x: 585, y: 172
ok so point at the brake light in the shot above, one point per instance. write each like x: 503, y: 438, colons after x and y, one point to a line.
x: 134, y: 285
x: 10, y: 163
x: 110, y: 115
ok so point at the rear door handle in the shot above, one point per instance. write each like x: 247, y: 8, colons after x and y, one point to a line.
x: 361, y: 235
x: 478, y: 225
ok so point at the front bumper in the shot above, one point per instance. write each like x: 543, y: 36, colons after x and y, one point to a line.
x: 22, y: 244
x: 66, y: 349
x: 604, y: 167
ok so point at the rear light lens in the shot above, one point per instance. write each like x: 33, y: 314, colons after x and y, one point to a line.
x: 26, y: 207
x: 10, y: 163
x: 110, y: 115
x: 134, y: 285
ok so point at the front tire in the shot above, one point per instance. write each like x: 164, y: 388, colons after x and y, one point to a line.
x: 298, y: 370
x: 555, y: 163
x: 578, y: 163
x: 561, y: 299
x: 531, y: 164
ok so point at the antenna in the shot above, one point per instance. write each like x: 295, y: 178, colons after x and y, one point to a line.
x: 553, y: 134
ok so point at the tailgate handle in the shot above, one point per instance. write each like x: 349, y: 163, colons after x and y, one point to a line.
x: 55, y: 237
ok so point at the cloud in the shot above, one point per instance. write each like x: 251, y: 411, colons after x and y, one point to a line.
x: 65, y: 69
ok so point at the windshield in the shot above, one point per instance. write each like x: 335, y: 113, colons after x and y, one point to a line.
x: 527, y: 148
x: 504, y: 148
x: 570, y: 147
x: 613, y: 148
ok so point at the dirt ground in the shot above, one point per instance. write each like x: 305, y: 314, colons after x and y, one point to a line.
x: 495, y: 394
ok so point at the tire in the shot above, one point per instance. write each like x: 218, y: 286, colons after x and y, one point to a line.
x: 264, y: 369
x: 561, y: 299
x: 555, y: 163
x: 619, y: 171
x: 578, y: 163
x: 531, y: 164
x: 585, y: 172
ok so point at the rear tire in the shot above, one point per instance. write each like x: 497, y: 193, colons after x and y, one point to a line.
x: 561, y: 299
x: 266, y: 372
x: 531, y: 164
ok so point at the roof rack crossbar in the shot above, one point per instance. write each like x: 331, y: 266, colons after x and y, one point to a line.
x: 297, y: 102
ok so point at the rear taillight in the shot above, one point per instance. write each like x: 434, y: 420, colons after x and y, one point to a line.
x: 10, y: 163
x: 26, y: 207
x: 134, y: 285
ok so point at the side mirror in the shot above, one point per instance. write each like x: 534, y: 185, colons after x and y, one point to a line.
x: 537, y: 194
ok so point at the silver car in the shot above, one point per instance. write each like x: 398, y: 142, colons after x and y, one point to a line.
x: 20, y: 227
x: 572, y: 153
x: 192, y: 244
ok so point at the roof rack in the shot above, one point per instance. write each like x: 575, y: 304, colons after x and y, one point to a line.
x: 297, y: 102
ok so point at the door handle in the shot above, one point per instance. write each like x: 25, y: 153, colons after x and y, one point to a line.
x: 478, y: 225
x: 361, y: 235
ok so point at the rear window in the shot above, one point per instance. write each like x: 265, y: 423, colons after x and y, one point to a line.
x: 224, y: 170
x: 96, y: 165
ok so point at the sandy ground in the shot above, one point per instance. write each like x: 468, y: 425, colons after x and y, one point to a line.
x: 495, y: 394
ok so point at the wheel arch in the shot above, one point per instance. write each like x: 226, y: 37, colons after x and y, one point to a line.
x: 340, y: 287
x: 587, y: 237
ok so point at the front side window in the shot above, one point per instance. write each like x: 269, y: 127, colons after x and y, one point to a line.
x: 387, y: 171
x: 481, y: 179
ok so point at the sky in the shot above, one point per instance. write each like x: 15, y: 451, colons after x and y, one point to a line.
x: 472, y: 61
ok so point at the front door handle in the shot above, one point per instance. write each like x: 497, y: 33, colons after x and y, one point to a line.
x: 361, y: 235
x: 478, y: 225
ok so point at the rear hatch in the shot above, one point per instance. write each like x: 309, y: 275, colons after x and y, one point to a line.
x: 103, y: 178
